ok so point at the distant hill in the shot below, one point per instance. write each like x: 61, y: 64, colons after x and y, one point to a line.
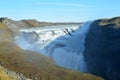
x: 14, y: 26
x: 33, y: 23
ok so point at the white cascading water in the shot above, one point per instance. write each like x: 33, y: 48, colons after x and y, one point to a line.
x: 65, y: 47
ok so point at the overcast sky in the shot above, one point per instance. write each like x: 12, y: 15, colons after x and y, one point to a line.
x: 59, y: 10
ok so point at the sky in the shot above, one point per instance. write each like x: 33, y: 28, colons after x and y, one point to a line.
x: 59, y: 10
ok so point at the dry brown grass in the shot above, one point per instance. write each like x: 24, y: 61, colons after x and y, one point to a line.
x: 34, y: 65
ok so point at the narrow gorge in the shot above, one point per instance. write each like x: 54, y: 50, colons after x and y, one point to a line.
x: 92, y: 47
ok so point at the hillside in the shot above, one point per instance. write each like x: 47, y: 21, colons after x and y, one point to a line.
x: 36, y: 66
x: 32, y: 23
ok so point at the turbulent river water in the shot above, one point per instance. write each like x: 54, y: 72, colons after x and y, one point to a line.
x: 63, y: 43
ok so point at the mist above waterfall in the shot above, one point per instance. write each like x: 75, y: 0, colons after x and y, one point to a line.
x: 65, y: 45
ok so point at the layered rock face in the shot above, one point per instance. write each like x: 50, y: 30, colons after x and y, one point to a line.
x: 102, y: 48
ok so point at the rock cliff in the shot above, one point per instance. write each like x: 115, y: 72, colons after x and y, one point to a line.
x: 102, y: 51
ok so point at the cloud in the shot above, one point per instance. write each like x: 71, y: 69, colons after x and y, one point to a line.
x: 62, y: 4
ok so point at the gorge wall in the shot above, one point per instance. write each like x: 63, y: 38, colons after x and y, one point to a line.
x: 102, y: 48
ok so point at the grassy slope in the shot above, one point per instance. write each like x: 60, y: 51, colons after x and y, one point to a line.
x: 5, y: 76
x: 31, y: 64
x: 34, y: 65
x: 5, y: 33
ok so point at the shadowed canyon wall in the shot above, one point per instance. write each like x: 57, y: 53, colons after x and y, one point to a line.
x: 102, y: 48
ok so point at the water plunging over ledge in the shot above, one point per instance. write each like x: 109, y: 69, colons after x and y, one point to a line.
x: 65, y: 45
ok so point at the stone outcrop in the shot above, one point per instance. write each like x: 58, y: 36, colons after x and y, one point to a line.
x: 10, y: 75
x: 102, y: 53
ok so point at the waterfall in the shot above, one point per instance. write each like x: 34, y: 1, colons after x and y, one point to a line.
x: 66, y: 50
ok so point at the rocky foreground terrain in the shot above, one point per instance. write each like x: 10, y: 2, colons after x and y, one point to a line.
x: 28, y: 64
x: 102, y: 48
x: 10, y: 75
